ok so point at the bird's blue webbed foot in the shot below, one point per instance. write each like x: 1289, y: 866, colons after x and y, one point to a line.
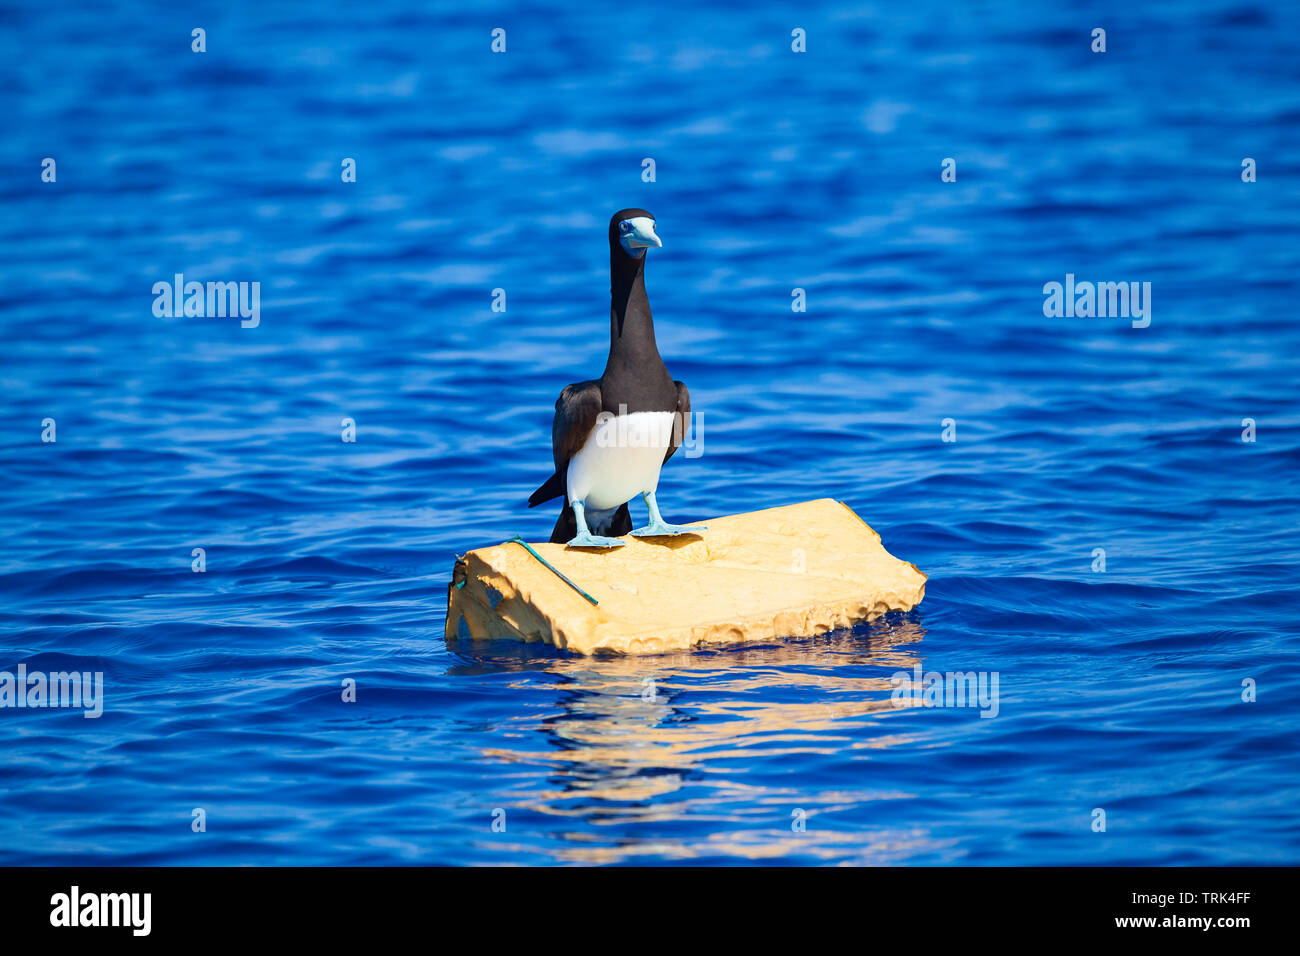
x: 584, y: 538
x: 658, y: 527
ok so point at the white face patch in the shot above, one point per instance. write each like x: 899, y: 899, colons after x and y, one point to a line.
x: 637, y: 234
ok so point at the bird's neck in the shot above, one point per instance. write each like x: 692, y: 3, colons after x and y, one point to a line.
x: 631, y: 327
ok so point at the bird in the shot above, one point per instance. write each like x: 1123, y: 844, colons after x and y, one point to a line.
x: 612, y: 435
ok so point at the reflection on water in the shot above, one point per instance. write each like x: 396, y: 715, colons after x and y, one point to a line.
x: 640, y: 741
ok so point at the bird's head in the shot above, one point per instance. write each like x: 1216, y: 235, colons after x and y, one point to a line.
x: 634, y: 231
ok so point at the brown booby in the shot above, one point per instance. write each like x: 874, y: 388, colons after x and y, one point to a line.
x: 611, y: 436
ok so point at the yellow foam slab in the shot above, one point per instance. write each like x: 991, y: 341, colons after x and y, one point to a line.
x: 798, y: 570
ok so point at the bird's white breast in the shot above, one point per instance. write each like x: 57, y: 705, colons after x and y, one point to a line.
x: 621, y: 459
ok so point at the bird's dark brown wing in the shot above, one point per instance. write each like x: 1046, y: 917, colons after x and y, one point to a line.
x: 682, y: 421
x: 576, y: 411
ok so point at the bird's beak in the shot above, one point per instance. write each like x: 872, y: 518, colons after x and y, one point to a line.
x: 643, y: 234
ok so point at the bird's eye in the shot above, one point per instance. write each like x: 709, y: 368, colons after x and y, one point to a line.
x: 625, y: 226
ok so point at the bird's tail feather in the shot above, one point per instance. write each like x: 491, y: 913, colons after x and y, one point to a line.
x: 553, y: 487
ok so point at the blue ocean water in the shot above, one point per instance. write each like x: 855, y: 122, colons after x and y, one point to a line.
x: 1121, y: 689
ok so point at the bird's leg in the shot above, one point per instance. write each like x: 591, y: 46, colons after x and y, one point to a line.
x: 658, y: 526
x: 584, y: 538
